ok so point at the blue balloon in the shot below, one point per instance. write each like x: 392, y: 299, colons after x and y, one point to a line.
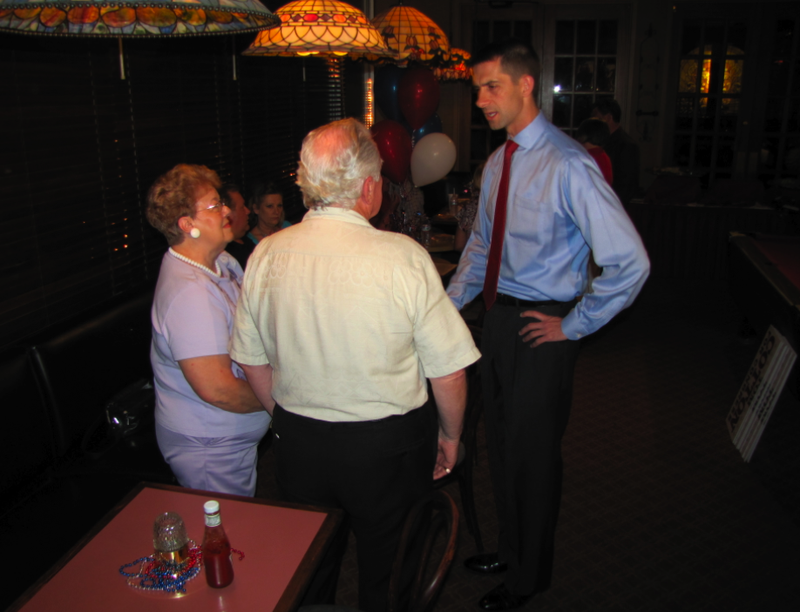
x: 387, y: 80
x: 432, y: 125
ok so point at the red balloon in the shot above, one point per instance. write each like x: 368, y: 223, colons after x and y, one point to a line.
x: 394, y: 145
x: 418, y: 95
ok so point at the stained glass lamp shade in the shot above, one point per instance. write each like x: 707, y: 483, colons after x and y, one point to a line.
x: 134, y: 18
x: 310, y: 27
x: 410, y: 35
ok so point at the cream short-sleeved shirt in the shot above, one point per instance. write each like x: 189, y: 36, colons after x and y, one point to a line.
x: 352, y: 319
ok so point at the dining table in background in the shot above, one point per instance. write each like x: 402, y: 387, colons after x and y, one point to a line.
x: 764, y: 280
x: 282, y: 543
x: 440, y: 243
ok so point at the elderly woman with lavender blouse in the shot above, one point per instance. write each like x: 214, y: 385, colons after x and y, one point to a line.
x: 208, y: 421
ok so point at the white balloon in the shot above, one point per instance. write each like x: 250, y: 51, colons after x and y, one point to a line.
x: 432, y: 158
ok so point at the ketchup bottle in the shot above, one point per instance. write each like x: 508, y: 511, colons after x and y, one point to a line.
x: 216, y: 549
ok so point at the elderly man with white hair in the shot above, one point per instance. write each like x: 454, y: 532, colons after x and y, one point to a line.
x: 341, y: 324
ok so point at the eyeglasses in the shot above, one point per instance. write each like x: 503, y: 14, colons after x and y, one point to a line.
x: 215, y: 208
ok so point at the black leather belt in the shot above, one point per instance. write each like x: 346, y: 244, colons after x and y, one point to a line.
x: 507, y: 300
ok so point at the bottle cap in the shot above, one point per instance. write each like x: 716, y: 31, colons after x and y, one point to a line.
x: 211, y: 507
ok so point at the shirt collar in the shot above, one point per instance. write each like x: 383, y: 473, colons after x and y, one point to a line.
x: 227, y: 268
x: 337, y: 214
x: 528, y: 136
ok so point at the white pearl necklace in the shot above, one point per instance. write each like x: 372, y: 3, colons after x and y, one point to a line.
x: 195, y: 264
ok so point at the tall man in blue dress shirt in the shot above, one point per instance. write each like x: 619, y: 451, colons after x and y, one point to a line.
x: 558, y: 208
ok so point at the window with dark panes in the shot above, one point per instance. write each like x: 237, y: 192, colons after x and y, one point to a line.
x: 584, y: 68
x: 584, y: 58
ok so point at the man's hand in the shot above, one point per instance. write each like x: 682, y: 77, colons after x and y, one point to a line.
x: 450, y: 392
x: 546, y: 329
x: 446, y: 457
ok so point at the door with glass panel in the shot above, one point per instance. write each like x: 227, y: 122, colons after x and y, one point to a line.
x: 736, y: 92
x: 716, y: 52
x: 586, y: 51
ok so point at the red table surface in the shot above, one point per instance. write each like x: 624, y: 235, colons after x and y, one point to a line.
x: 784, y: 253
x: 274, y: 541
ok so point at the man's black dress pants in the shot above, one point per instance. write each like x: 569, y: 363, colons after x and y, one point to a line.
x: 527, y: 395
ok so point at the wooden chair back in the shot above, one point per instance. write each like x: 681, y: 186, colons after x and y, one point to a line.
x: 435, y: 513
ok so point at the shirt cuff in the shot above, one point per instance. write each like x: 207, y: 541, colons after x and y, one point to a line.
x: 572, y: 327
x: 246, y: 359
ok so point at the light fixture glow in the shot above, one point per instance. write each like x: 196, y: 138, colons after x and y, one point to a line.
x: 455, y: 67
x: 369, y: 114
x: 411, y: 36
x: 325, y: 27
x: 134, y: 18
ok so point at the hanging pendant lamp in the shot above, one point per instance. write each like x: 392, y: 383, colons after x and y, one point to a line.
x: 134, y: 18
x: 319, y: 27
x: 412, y: 36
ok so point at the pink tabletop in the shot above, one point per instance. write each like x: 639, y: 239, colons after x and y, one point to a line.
x: 784, y: 253
x: 274, y: 540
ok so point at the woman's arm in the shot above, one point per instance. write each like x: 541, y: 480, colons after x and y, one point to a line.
x: 212, y: 379
x: 260, y: 379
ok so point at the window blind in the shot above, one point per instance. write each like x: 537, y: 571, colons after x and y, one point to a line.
x: 81, y: 147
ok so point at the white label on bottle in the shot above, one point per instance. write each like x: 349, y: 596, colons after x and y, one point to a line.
x: 212, y: 520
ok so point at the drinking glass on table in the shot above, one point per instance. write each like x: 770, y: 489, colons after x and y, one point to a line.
x: 453, y: 203
x: 170, y: 540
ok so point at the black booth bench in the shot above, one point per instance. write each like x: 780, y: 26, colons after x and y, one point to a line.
x: 59, y: 473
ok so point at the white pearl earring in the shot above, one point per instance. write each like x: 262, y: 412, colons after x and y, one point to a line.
x: 195, y: 233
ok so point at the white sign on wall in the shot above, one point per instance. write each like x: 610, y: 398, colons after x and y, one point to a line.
x: 759, y: 392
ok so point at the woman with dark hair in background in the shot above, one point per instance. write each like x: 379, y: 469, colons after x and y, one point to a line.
x: 266, y: 202
x: 208, y: 421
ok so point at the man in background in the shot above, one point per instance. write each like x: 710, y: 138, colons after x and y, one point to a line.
x: 621, y: 149
x: 231, y: 196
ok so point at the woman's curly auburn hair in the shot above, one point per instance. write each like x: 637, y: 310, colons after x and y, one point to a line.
x: 174, y: 195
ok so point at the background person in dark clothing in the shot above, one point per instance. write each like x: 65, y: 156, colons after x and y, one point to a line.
x: 232, y: 197
x: 622, y: 150
x: 593, y: 133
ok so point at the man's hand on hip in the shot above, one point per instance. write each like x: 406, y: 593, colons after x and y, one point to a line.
x: 546, y: 328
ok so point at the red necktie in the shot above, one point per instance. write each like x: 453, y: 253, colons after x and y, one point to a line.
x: 498, y: 230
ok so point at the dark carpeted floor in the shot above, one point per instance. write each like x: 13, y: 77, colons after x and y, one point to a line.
x: 659, y: 510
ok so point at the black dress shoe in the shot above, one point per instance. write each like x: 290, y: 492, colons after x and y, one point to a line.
x: 500, y: 598
x: 485, y: 563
